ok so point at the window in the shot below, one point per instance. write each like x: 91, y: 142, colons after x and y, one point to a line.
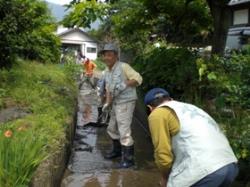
x: 241, y: 17
x: 91, y: 50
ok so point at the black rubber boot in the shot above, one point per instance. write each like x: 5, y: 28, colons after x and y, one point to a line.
x: 116, y: 150
x: 127, y: 157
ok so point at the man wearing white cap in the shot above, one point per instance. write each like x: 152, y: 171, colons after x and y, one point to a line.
x: 121, y: 81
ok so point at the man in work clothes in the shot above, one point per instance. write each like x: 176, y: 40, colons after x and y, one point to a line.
x: 189, y: 147
x: 121, y: 81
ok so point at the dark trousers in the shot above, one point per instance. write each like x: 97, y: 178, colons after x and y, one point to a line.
x: 223, y: 177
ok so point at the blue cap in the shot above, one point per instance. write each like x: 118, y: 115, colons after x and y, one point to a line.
x: 154, y: 94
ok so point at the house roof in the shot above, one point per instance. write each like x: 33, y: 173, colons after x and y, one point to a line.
x: 238, y: 2
x: 70, y: 30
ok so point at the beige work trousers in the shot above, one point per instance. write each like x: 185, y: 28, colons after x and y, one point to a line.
x: 120, y: 122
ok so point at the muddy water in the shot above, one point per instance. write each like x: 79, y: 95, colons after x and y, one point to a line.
x: 88, y: 168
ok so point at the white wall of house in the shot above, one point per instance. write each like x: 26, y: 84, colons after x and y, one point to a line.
x: 90, y: 50
x: 77, y: 37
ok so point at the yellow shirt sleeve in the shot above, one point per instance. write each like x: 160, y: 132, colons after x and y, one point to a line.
x: 131, y: 73
x: 163, y: 124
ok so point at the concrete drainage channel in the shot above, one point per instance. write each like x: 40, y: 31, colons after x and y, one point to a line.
x: 88, y: 168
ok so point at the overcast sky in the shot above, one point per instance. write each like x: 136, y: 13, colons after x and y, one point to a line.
x: 61, y: 2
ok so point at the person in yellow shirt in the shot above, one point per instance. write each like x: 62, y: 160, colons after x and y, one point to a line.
x: 189, y: 147
x: 163, y: 124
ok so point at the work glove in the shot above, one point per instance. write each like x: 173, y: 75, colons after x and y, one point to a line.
x: 105, y: 107
x: 108, y: 102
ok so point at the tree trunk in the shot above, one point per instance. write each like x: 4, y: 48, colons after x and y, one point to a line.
x: 222, y: 15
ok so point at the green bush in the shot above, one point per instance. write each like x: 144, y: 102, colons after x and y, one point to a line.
x: 100, y: 65
x: 41, y: 45
x: 26, y: 30
x: 49, y: 95
x: 226, y: 81
x: 170, y: 68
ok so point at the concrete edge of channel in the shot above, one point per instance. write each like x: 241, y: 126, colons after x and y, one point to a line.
x: 50, y: 172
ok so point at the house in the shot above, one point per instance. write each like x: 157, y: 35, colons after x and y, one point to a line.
x: 76, y: 39
x: 239, y: 31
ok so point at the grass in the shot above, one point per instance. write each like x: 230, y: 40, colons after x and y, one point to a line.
x: 49, y: 93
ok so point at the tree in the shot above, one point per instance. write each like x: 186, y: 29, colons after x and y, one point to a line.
x: 26, y: 30
x: 83, y: 13
x: 136, y: 23
x: 41, y: 44
x: 180, y: 22
x: 221, y: 14
x: 183, y: 22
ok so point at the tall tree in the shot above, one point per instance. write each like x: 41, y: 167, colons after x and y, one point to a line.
x: 221, y: 14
